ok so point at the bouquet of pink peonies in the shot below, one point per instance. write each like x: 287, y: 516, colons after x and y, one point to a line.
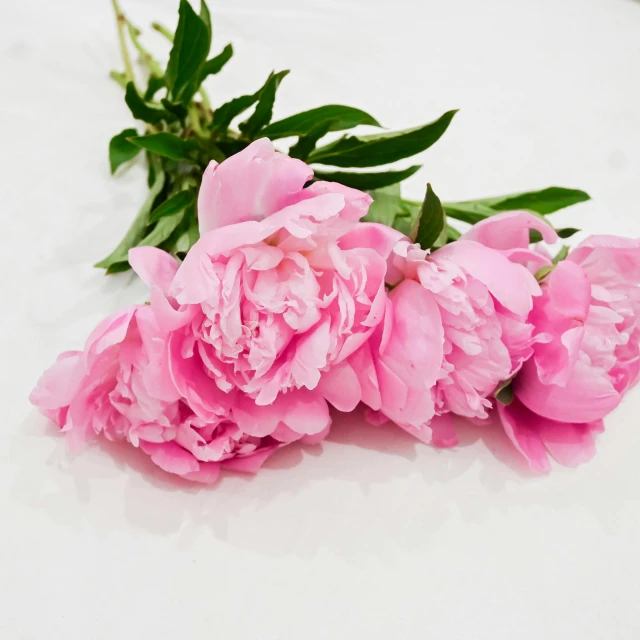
x: 277, y: 292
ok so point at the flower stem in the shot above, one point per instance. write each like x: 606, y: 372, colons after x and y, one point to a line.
x: 163, y: 30
x: 154, y: 67
x: 206, y: 103
x: 119, y: 77
x: 121, y: 21
x: 194, y: 119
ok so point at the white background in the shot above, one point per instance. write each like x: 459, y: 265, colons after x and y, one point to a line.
x: 370, y: 535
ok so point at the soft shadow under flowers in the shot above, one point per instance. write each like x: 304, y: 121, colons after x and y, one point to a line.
x: 368, y: 479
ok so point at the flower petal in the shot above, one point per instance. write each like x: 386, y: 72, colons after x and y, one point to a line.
x: 588, y: 396
x: 520, y: 425
x: 170, y: 457
x: 306, y: 411
x: 511, y: 284
x: 340, y: 386
x: 251, y: 463
x: 59, y: 384
x: 509, y: 230
x: 155, y: 267
x: 269, y: 181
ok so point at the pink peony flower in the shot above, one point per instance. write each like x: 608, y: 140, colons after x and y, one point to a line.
x: 586, y: 353
x: 122, y: 387
x: 273, y: 304
x: 455, y: 328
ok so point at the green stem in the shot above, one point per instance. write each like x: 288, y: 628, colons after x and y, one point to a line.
x: 119, y: 77
x: 121, y: 21
x: 194, y: 120
x: 163, y: 30
x: 206, y: 103
x: 154, y: 67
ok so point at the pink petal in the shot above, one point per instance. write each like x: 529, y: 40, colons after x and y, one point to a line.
x: 155, y: 267
x: 200, y: 392
x: 258, y: 420
x: 59, y: 384
x: 509, y: 230
x: 356, y: 203
x: 341, y: 387
x: 111, y: 331
x: 207, y: 473
x: 560, y: 315
x: 569, y: 291
x: 251, y: 463
x: 570, y: 444
x: 249, y: 185
x: 170, y: 457
x: 521, y: 426
x: 316, y: 437
x: 533, y: 261
x: 511, y: 284
x: 364, y: 367
x: 587, y: 397
x: 609, y: 252
x: 168, y: 317
x: 409, y: 366
x: 306, y: 411
x: 381, y: 239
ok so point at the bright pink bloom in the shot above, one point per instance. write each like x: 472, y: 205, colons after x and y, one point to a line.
x: 586, y: 352
x: 122, y: 386
x: 273, y: 305
x: 456, y: 326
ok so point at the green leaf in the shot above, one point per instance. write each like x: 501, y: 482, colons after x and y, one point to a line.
x: 174, y: 204
x: 544, y: 202
x: 386, y: 205
x: 300, y: 124
x: 137, y: 229
x: 117, y: 267
x: 167, y: 145
x: 154, y: 85
x: 205, y: 16
x: 264, y: 109
x: 504, y: 394
x: 389, y: 208
x: 307, y: 143
x: 188, y: 238
x: 534, y: 236
x: 541, y: 202
x: 431, y: 221
x: 215, y: 65
x: 470, y: 212
x: 177, y: 111
x: 367, y: 181
x: 162, y: 230
x: 152, y: 167
x: 562, y: 254
x: 452, y: 234
x: 370, y: 151
x: 189, y: 51
x: 121, y: 150
x: 142, y: 110
x: 224, y: 114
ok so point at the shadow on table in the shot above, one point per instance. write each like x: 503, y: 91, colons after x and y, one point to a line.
x: 374, y: 490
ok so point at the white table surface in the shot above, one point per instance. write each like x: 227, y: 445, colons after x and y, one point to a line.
x: 370, y: 535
